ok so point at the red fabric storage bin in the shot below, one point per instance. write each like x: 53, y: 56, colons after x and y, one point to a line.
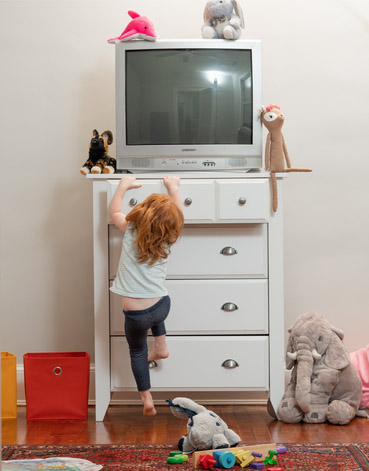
x: 56, y: 385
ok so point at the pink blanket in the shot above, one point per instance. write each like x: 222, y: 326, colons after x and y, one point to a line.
x: 360, y: 359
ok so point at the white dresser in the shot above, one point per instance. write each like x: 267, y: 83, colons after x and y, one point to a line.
x: 225, y: 330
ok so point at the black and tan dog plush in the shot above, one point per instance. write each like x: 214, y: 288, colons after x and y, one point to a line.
x: 99, y: 161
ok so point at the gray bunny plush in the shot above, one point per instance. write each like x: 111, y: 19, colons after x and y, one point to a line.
x: 223, y: 19
x: 205, y: 429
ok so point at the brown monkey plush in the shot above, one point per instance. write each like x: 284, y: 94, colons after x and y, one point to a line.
x: 275, y: 148
x: 98, y: 158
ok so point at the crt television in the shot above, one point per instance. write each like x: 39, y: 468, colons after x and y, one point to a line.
x: 188, y: 105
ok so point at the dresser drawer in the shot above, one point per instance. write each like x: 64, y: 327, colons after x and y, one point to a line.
x: 198, y: 252
x: 134, y: 195
x: 207, y: 200
x: 218, y: 307
x: 220, y: 252
x: 211, y: 307
x: 198, y: 200
x: 195, y: 363
x: 239, y: 200
x: 197, y: 196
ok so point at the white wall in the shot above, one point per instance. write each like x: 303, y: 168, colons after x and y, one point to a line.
x: 57, y: 84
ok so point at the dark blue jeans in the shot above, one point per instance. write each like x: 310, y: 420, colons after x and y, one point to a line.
x: 136, y: 326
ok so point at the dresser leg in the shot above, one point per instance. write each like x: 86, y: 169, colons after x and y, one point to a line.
x: 271, y: 410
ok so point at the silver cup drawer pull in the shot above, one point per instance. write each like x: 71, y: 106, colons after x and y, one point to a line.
x: 228, y: 251
x: 230, y: 364
x: 229, y: 307
x: 242, y: 201
x: 152, y: 364
x: 132, y: 202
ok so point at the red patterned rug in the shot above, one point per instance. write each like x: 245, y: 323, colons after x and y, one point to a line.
x: 300, y: 457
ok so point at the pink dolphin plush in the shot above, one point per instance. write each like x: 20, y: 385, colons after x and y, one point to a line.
x: 139, y: 28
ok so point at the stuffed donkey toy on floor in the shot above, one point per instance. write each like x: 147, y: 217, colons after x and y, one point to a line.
x: 325, y: 385
x: 205, y: 429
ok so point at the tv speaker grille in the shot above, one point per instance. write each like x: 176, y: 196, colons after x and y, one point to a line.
x: 237, y: 161
x: 141, y: 163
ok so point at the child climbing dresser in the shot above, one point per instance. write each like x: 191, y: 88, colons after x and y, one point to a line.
x: 225, y: 330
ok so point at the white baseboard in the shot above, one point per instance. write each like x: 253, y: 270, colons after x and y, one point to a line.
x: 251, y: 398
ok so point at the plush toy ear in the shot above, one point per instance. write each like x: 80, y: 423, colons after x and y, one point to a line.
x: 207, y: 15
x: 337, y: 356
x: 108, y: 136
x: 238, y: 11
x: 95, y: 133
x: 184, y: 407
x: 337, y: 331
x: 289, y: 361
x: 261, y: 111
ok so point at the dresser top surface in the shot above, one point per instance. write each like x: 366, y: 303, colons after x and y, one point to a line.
x: 188, y: 175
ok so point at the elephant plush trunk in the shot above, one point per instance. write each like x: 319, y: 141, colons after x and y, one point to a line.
x: 304, y: 371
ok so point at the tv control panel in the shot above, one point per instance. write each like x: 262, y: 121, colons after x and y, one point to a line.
x: 187, y: 164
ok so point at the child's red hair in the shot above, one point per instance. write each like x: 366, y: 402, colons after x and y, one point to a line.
x: 159, y: 222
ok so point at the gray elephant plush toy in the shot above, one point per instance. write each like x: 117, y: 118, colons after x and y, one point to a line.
x: 205, y: 429
x: 222, y: 19
x: 324, y: 385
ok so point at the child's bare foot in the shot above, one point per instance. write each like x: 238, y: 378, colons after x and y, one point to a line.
x: 149, y: 409
x: 156, y: 354
x: 148, y: 403
x: 159, y: 350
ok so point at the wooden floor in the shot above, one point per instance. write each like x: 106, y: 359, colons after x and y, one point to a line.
x: 125, y: 424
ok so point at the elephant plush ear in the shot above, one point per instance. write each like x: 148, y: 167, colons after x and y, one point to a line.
x: 337, y: 331
x: 337, y: 356
x: 289, y: 361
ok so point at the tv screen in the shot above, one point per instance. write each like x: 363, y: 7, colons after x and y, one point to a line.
x: 188, y: 97
x: 188, y: 104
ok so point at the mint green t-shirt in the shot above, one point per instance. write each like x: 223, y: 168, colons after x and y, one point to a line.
x: 138, y: 280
